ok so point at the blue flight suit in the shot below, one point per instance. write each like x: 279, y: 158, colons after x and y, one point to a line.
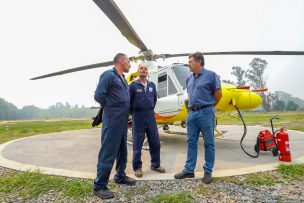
x: 112, y: 94
x: 142, y: 105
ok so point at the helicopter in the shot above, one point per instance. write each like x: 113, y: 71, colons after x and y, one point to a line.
x: 170, y: 80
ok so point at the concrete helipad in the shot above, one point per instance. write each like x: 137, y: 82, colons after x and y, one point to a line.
x: 74, y: 153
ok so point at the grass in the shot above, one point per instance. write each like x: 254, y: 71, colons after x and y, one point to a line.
x: 253, y: 179
x: 17, y: 129
x: 138, y: 190
x: 295, y: 171
x: 230, y: 179
x: 261, y: 179
x: 290, y: 120
x: 184, y: 197
x: 203, y: 190
x: 29, y: 185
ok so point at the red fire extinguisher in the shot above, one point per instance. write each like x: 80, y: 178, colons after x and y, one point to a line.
x: 283, y: 145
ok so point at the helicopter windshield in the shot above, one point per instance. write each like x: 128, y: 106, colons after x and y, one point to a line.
x: 182, y: 72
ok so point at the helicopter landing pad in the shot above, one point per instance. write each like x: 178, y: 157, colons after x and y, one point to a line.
x: 74, y: 153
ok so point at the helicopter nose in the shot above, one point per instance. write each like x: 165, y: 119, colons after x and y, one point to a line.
x: 255, y: 100
x: 249, y: 101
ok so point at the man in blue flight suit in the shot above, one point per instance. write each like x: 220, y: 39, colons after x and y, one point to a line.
x: 112, y: 94
x: 204, y: 91
x: 143, y: 97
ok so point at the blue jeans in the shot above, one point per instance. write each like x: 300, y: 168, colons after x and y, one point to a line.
x: 200, y: 121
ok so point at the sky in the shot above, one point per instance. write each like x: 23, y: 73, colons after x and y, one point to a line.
x: 39, y: 37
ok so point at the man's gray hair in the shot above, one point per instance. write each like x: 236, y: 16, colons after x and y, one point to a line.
x: 143, y: 64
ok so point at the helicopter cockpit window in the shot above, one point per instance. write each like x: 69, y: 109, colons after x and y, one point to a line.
x: 172, y: 89
x: 165, y: 86
x: 182, y: 72
x: 162, y: 86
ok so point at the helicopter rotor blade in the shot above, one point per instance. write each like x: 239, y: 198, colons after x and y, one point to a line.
x: 241, y: 53
x: 110, y: 8
x: 81, y: 68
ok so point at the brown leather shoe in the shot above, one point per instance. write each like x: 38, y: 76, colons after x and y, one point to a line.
x: 159, y: 169
x: 138, y: 173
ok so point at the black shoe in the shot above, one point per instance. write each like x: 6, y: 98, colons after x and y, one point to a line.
x: 127, y: 181
x: 207, y: 177
x: 104, y: 193
x: 183, y: 175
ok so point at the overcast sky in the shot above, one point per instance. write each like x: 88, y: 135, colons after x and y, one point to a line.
x: 44, y: 36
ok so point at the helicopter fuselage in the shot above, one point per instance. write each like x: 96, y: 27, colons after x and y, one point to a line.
x: 172, y: 94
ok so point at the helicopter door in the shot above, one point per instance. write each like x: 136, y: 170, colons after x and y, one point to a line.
x: 167, y: 102
x: 181, y: 72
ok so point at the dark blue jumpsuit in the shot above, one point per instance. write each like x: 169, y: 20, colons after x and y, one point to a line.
x: 112, y: 94
x: 143, y: 121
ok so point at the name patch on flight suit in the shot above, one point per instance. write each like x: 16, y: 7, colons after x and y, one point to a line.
x: 139, y: 90
x: 150, y: 89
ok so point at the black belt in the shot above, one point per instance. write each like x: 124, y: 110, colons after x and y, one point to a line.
x: 197, y: 108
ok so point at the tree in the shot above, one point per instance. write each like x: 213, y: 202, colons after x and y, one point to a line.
x: 30, y: 112
x: 291, y: 106
x: 255, y: 75
x: 278, y: 105
x: 8, y: 111
x: 240, y: 74
x: 228, y: 82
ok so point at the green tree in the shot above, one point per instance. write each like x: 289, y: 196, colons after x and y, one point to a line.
x: 8, y: 111
x: 239, y: 73
x: 278, y: 105
x: 291, y: 106
x: 30, y: 112
x: 256, y: 77
x: 228, y: 82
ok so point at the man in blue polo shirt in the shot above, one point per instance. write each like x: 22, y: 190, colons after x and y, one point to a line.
x: 204, y: 91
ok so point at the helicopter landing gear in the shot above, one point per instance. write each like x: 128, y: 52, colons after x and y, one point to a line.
x: 166, y: 130
x: 218, y: 133
x: 166, y: 127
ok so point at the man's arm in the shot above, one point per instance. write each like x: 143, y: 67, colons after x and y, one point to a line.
x: 132, y: 95
x: 103, y: 87
x: 218, y: 89
x: 218, y: 96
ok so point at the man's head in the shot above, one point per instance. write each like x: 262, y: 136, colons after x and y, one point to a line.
x: 142, y: 70
x: 122, y: 62
x: 196, y: 61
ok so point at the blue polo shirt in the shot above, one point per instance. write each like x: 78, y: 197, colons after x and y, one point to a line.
x: 201, y: 88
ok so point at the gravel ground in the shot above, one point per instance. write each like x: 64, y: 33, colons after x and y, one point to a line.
x: 228, y: 190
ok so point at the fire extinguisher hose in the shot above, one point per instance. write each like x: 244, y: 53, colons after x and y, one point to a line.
x: 244, y: 135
